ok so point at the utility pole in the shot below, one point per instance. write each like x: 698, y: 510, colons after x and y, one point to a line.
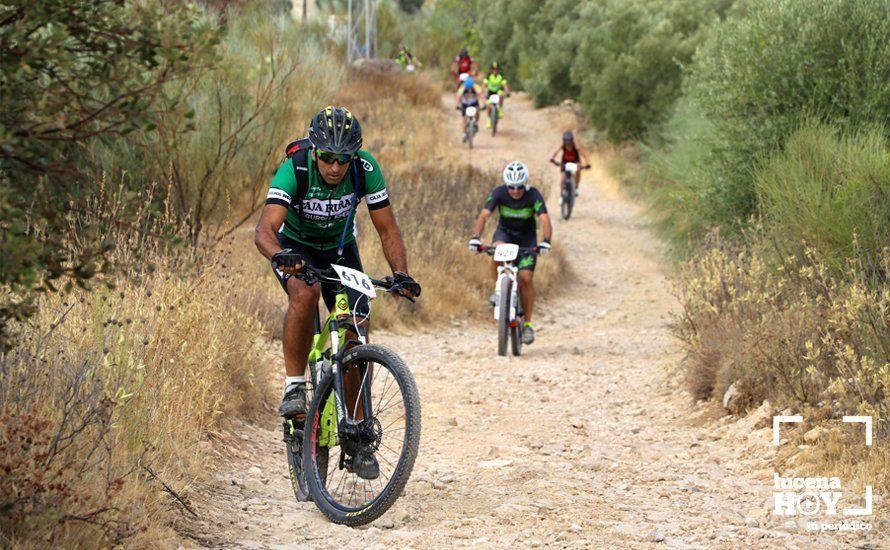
x: 361, y: 29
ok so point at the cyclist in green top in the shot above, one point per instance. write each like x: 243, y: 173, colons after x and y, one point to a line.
x: 495, y: 83
x: 318, y: 223
x: 406, y: 59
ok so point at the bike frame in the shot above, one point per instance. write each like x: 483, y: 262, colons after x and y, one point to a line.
x: 336, y: 324
x: 509, y: 270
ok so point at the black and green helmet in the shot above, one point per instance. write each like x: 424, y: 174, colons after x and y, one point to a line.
x: 335, y: 130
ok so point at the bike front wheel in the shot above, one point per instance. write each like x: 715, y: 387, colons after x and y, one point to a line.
x: 504, y: 315
x: 390, y: 434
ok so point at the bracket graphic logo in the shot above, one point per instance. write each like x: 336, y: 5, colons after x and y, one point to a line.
x: 809, y: 495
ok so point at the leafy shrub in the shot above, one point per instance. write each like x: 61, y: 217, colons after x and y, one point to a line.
x: 74, y: 73
x: 832, y: 191
x: 760, y: 75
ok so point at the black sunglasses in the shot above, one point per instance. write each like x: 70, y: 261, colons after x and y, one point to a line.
x: 330, y: 158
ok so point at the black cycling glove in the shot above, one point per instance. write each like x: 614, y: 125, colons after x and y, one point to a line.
x: 406, y: 282
x: 286, y: 258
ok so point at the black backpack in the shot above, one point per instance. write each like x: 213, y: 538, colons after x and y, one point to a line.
x: 298, y: 153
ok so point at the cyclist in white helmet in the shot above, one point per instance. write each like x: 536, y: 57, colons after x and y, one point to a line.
x: 518, y: 204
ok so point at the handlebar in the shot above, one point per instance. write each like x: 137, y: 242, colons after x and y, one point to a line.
x: 312, y: 275
x: 580, y: 166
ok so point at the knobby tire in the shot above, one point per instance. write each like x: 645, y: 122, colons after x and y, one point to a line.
x: 504, y: 315
x: 382, y: 358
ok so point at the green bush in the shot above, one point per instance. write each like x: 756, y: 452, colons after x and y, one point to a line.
x: 758, y: 77
x: 830, y: 190
x: 628, y: 67
x: 680, y: 176
x: 72, y: 73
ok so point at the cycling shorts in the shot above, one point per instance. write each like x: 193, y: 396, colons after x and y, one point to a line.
x: 526, y: 261
x: 323, y: 259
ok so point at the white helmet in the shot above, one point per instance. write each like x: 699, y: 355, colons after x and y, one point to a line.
x: 516, y: 173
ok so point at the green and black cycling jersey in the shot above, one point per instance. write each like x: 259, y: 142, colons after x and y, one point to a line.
x: 325, y: 209
x: 517, y: 216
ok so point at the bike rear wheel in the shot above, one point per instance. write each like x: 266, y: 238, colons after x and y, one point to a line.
x: 391, y: 434
x: 293, y: 441
x: 504, y: 315
x: 294, y: 451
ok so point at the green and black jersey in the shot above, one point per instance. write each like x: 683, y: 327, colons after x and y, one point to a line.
x: 517, y: 216
x: 325, y: 209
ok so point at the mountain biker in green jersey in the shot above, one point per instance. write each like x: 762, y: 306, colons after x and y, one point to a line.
x: 495, y: 83
x: 318, y: 224
x: 517, y: 203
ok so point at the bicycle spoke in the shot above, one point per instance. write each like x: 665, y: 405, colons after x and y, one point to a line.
x: 386, y: 429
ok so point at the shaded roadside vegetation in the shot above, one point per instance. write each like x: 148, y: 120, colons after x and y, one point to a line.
x: 759, y: 133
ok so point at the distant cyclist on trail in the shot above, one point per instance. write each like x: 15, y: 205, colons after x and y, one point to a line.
x: 469, y: 94
x: 495, y: 83
x: 405, y: 58
x: 310, y: 211
x: 571, y: 152
x: 463, y: 64
x: 518, y: 204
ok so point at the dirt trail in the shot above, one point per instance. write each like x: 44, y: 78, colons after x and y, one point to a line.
x: 587, y: 440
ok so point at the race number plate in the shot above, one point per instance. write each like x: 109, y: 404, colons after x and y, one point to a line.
x: 471, y: 111
x: 571, y: 167
x: 495, y: 99
x: 463, y: 76
x: 355, y: 280
x: 506, y: 252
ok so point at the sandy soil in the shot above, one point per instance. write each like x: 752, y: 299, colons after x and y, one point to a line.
x: 587, y: 440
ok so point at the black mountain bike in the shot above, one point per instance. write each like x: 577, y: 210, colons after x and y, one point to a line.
x: 364, y: 404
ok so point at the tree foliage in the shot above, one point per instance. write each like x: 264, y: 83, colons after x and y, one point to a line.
x: 74, y: 72
x: 761, y: 75
x: 621, y: 59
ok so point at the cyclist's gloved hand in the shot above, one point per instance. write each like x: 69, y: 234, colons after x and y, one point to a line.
x: 474, y: 244
x: 287, y: 260
x: 544, y: 248
x: 408, y: 284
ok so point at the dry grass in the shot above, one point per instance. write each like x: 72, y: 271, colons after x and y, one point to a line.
x: 791, y: 331
x: 111, y: 387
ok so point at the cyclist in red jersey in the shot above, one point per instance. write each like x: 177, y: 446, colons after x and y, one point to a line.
x: 463, y: 64
x: 571, y: 152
